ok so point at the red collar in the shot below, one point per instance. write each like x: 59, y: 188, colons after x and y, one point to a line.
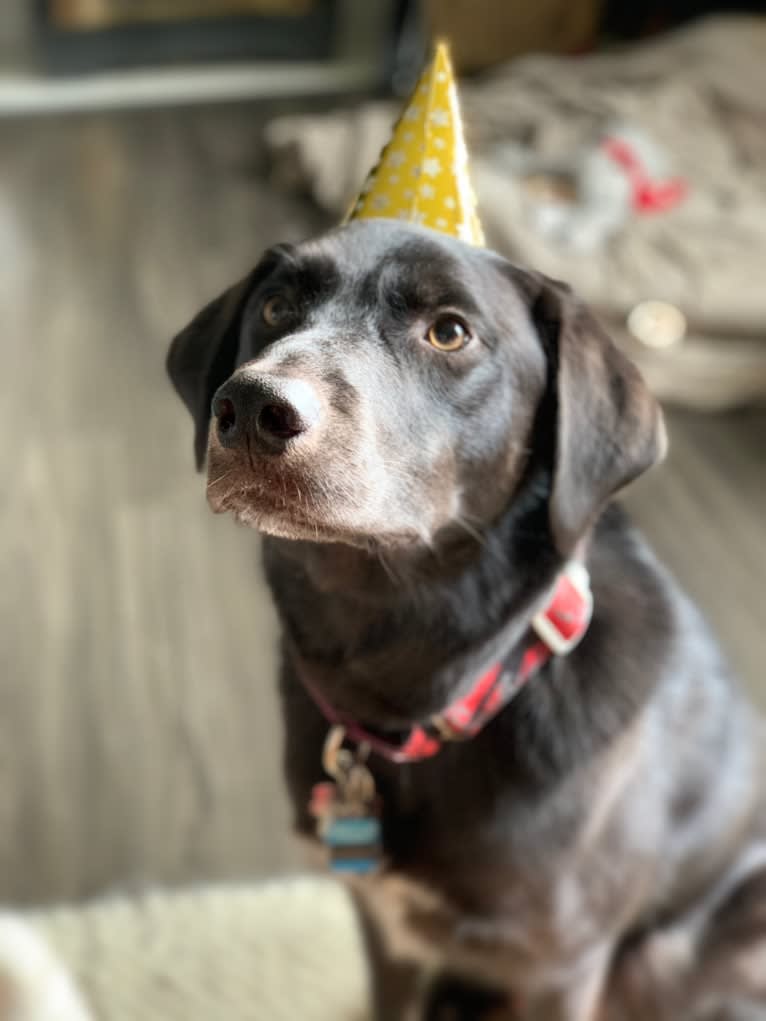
x: 555, y: 631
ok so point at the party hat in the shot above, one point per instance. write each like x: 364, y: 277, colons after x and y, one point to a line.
x: 422, y: 175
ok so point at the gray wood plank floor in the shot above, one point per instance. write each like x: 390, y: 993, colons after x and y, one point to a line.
x: 139, y: 739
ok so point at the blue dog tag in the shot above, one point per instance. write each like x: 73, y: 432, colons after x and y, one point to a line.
x: 347, y: 810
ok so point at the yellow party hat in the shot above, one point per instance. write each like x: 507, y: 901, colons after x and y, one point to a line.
x: 422, y: 175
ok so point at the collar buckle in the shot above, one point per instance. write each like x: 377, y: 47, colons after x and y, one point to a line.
x: 564, y: 621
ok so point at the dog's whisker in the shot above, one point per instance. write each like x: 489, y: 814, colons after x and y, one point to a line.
x: 383, y: 560
x: 214, y: 482
x: 464, y: 522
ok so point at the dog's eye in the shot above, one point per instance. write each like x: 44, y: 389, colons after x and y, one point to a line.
x: 276, y: 310
x: 448, y: 334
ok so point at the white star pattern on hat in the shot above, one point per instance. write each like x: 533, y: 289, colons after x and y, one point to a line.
x: 432, y: 167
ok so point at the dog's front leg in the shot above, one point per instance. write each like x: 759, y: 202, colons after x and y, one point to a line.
x: 403, y: 961
x: 578, y: 996
x: 422, y: 971
x: 456, y: 997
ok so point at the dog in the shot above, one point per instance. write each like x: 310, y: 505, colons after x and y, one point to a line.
x: 428, y: 437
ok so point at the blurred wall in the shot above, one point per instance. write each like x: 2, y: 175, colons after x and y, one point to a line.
x: 15, y: 19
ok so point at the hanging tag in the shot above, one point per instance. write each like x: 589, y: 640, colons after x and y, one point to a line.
x: 347, y: 809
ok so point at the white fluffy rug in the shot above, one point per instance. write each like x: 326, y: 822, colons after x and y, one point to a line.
x: 282, y: 950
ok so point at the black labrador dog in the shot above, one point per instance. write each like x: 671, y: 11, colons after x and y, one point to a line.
x: 427, y: 436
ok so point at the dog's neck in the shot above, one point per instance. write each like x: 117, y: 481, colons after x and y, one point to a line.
x: 378, y: 576
x: 397, y: 661
x: 394, y: 637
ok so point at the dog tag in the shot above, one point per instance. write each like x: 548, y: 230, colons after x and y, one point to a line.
x: 347, y: 810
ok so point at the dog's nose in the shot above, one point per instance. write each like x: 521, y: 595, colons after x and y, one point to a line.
x: 268, y: 410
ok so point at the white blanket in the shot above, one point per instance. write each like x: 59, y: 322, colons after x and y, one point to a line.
x: 279, y: 951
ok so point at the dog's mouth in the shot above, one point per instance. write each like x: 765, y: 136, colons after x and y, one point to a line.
x: 295, y: 502
x: 276, y: 506
x: 247, y: 509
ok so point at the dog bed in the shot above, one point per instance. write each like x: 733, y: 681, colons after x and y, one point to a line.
x: 693, y: 106
x: 273, y: 952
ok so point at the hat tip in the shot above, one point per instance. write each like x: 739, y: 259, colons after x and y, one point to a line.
x: 442, y: 49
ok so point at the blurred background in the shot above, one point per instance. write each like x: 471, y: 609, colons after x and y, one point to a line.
x: 149, y: 150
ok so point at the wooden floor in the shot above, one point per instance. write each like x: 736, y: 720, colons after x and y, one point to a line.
x: 139, y: 740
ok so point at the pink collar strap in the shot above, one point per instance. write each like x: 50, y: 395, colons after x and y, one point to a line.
x: 556, y: 630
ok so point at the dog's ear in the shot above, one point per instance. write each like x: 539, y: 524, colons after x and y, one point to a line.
x: 203, y: 355
x: 608, y: 427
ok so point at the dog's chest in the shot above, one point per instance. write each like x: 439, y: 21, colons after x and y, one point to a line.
x: 548, y: 877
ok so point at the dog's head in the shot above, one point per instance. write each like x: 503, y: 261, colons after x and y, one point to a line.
x: 386, y: 384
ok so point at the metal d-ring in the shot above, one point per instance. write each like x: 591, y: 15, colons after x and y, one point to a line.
x: 336, y: 760
x: 347, y: 768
